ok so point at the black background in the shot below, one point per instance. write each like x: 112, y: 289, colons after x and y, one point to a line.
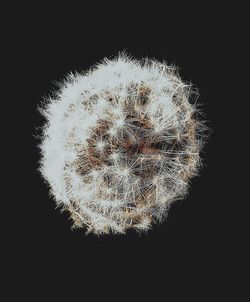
x: 192, y: 253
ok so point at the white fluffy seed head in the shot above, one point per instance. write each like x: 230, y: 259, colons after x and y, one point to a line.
x: 121, y: 143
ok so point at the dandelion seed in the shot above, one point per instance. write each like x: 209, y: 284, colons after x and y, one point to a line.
x: 112, y: 131
x: 124, y: 172
x: 119, y: 122
x: 100, y: 145
x: 114, y: 156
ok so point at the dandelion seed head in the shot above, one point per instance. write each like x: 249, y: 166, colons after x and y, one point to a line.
x: 121, y: 144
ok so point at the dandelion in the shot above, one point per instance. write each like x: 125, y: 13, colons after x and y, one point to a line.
x: 121, y: 144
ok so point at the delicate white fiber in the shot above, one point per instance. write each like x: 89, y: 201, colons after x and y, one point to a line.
x: 120, y: 144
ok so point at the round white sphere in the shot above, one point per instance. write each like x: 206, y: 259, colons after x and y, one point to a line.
x: 120, y: 144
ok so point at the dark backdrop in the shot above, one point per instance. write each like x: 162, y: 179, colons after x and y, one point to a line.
x: 190, y: 251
